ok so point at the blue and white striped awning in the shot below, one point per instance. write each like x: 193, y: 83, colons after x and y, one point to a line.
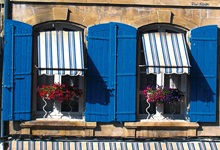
x: 165, y: 53
x: 60, y: 52
x: 71, y: 145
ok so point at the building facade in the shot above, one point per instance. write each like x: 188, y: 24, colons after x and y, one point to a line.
x: 112, y: 51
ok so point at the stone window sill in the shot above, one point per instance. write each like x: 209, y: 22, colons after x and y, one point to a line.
x: 162, y: 128
x: 58, y: 123
x: 55, y: 127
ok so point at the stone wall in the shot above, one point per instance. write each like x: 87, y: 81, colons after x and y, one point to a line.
x: 176, y: 3
x: 135, y: 16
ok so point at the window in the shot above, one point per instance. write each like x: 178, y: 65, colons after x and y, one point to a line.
x: 58, y: 59
x: 161, y: 74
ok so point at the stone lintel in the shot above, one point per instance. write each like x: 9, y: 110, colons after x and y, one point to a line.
x: 60, y: 13
x: 164, y: 16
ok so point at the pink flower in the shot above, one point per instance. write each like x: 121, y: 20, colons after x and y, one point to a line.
x: 162, y: 95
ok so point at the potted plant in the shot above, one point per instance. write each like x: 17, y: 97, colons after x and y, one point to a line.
x: 59, y: 92
x: 173, y: 95
x: 162, y: 96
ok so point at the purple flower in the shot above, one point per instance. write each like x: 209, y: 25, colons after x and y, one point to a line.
x: 165, y: 95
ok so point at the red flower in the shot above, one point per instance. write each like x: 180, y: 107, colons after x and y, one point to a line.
x: 59, y: 92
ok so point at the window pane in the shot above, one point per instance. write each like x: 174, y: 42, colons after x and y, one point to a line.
x: 70, y: 106
x: 71, y: 80
x: 172, y: 108
x: 73, y: 105
x: 44, y: 80
x: 172, y: 81
x: 146, y: 80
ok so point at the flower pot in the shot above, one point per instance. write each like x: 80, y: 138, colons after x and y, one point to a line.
x: 159, y: 111
x: 56, y: 114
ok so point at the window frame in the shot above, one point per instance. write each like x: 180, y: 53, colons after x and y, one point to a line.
x: 160, y: 28
x: 49, y: 26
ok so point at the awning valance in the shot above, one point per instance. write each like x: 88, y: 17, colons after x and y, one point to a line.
x: 60, y: 52
x: 165, y: 53
x: 94, y: 145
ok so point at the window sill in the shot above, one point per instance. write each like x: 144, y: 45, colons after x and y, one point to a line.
x: 57, y: 127
x: 162, y: 123
x: 58, y: 123
x: 162, y: 128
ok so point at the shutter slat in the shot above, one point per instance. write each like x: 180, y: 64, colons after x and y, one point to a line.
x: 203, y: 78
x: 17, y: 68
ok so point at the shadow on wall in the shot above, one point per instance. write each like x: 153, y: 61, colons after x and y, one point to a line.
x: 200, y: 87
x: 96, y: 84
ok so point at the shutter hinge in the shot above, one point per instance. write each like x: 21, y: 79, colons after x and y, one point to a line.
x: 7, y: 86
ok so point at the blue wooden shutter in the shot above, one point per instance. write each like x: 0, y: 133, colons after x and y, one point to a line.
x: 98, y: 74
x: 203, y: 78
x: 17, y: 67
x: 126, y: 73
x: 110, y: 74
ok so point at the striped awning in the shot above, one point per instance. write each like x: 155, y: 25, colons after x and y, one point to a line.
x: 165, y: 53
x: 90, y: 145
x: 60, y: 52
